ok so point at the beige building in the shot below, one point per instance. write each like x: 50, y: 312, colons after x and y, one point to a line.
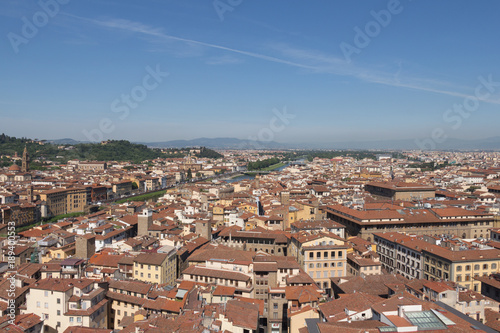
x: 401, y: 191
x: 68, y: 302
x: 156, y: 267
x: 64, y: 201
x: 321, y: 254
x: 463, y: 267
x: 93, y: 166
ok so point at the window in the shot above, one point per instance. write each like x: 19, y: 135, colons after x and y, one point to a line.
x: 311, y: 265
x: 46, y: 293
x: 467, y: 268
x: 46, y: 305
x: 318, y: 275
x: 318, y: 255
x: 339, y: 264
x: 119, y: 312
x: 275, y: 315
x: 149, y: 267
x: 71, y: 319
x: 136, y: 272
x: 58, y: 301
x: 275, y: 306
x: 156, y: 276
x: 333, y: 264
x: 332, y: 254
x: 78, y: 319
x: 325, y: 254
x: 340, y: 254
x: 485, y: 266
x: 58, y: 312
x: 149, y: 275
x: 311, y: 255
x: 476, y: 267
x: 37, y: 304
x: 493, y: 266
x: 459, y: 268
x: 142, y: 275
x: 318, y: 265
x: 156, y: 268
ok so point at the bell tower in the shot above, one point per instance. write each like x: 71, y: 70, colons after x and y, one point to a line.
x: 25, y: 166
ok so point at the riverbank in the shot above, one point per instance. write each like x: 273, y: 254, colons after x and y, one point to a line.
x: 143, y: 197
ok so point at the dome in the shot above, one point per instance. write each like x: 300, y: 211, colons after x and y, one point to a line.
x: 14, y: 167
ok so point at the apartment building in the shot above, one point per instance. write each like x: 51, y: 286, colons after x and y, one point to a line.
x: 401, y: 254
x: 320, y: 254
x: 63, y: 201
x: 156, y: 267
x: 223, y: 272
x: 463, y: 267
x: 454, y: 221
x: 67, y: 302
x: 258, y: 239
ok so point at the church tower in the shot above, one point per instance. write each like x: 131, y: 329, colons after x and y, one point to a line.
x: 25, y: 161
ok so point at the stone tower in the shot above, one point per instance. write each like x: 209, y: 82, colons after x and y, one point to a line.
x: 204, y: 229
x: 85, y: 246
x: 30, y: 193
x: 25, y: 161
x: 145, y: 220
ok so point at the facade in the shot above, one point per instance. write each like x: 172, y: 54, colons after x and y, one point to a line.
x: 401, y: 254
x: 68, y: 302
x: 321, y: 255
x: 92, y: 166
x: 156, y: 267
x: 436, y: 221
x: 401, y: 191
x: 463, y: 267
x: 258, y: 239
x: 64, y: 201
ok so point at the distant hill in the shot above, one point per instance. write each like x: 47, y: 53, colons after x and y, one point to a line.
x: 113, y: 151
x: 65, y: 141
x: 492, y: 143
x: 219, y: 143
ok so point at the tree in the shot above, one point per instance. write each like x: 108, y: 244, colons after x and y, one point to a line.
x: 198, y: 175
x: 135, y: 186
x: 189, y: 175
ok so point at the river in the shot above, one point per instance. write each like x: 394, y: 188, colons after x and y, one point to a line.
x: 244, y: 177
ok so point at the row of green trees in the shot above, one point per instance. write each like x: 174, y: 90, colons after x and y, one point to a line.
x: 262, y: 164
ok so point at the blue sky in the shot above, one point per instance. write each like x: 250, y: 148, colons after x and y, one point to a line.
x: 230, y: 63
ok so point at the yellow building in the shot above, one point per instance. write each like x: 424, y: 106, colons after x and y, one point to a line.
x: 64, y: 201
x: 462, y: 267
x: 322, y: 255
x: 156, y: 267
